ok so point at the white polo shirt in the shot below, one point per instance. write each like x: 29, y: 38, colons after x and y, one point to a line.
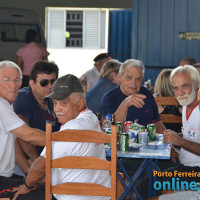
x: 191, y: 132
x: 86, y: 120
x: 8, y: 121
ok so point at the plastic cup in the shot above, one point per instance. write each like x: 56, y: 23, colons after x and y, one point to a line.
x: 143, y: 137
x: 159, y: 137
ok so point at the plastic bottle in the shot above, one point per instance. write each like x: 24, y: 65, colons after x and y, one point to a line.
x: 113, y: 119
x: 107, y: 124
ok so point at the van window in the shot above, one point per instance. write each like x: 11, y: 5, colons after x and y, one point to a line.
x: 12, y: 32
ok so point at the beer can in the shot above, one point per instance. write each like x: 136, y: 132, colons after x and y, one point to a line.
x: 151, y: 128
x: 140, y: 128
x: 133, y: 132
x: 127, y: 126
x: 123, y: 142
x: 119, y: 128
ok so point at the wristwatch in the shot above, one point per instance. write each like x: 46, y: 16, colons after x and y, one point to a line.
x: 29, y: 187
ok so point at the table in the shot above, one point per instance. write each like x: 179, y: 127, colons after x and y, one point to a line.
x: 147, y: 152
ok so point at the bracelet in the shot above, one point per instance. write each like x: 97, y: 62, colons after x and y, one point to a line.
x: 29, y: 187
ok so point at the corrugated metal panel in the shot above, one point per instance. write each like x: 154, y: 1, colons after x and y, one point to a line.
x: 166, y: 34
x: 120, y: 33
x: 153, y: 39
x: 156, y: 28
x: 180, y: 19
x: 193, y: 25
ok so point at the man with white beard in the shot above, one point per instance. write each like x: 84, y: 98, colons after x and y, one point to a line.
x: 185, y: 81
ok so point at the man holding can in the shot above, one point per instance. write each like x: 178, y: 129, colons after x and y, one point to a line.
x: 185, y: 81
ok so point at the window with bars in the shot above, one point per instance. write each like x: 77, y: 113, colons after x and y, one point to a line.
x: 74, y: 29
x: 77, y: 28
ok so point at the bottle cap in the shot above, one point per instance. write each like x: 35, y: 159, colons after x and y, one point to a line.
x: 108, y: 117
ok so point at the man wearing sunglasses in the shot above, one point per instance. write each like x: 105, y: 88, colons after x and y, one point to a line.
x: 31, y: 107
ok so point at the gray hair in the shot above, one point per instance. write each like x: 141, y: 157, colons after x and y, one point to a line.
x: 76, y: 96
x: 10, y: 64
x: 132, y: 63
x: 194, y: 75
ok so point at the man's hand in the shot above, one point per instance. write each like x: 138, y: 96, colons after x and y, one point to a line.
x: 136, y: 100
x: 30, y: 161
x: 174, y: 155
x: 22, y: 189
x: 171, y: 137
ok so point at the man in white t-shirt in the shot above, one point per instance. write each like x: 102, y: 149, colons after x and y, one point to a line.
x: 92, y: 75
x: 71, y: 111
x: 185, y: 80
x: 11, y: 126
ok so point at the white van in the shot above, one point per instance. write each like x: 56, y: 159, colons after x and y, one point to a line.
x: 13, y: 25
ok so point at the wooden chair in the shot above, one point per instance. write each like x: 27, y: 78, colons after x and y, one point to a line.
x: 84, y: 84
x: 168, y: 118
x: 80, y: 162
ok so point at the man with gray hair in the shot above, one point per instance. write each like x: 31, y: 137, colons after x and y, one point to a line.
x: 130, y: 101
x: 11, y: 125
x: 69, y: 106
x: 185, y: 81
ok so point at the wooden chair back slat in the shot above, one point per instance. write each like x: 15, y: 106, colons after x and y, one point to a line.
x: 4, y: 198
x: 80, y: 162
x: 168, y: 101
x: 81, y: 136
x: 92, y: 189
x: 169, y: 118
x: 76, y: 162
x: 84, y: 84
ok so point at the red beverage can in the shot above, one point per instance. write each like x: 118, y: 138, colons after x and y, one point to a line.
x: 127, y: 126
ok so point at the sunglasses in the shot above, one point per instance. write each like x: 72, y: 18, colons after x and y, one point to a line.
x: 45, y: 82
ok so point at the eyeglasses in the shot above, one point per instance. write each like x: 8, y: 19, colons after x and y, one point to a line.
x: 45, y: 82
x: 7, y: 81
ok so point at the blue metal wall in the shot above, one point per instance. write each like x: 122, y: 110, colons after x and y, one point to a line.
x: 120, y: 33
x: 156, y: 28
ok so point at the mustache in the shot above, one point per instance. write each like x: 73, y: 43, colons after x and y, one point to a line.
x: 182, y: 97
